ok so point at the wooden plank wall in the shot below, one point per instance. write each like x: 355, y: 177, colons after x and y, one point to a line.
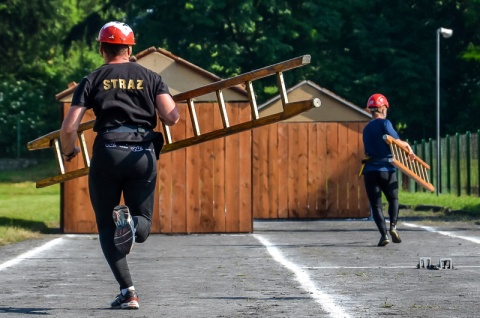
x: 290, y: 170
x: 200, y: 189
x: 76, y: 210
x: 308, y: 171
x: 203, y: 188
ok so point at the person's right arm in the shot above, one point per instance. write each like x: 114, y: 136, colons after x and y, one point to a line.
x: 68, y: 132
x: 411, y: 154
x: 392, y: 132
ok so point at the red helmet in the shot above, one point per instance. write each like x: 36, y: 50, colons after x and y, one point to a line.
x: 116, y: 33
x: 377, y: 101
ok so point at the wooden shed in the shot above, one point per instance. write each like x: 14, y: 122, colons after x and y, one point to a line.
x: 304, y: 167
x: 307, y: 167
x: 200, y: 189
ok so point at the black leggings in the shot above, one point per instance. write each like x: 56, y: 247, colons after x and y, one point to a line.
x: 377, y: 182
x: 131, y: 170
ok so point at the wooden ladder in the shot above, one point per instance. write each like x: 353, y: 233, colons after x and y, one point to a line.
x: 52, y: 140
x: 417, y: 169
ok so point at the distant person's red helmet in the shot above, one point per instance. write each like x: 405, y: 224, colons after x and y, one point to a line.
x: 116, y: 33
x: 377, y: 101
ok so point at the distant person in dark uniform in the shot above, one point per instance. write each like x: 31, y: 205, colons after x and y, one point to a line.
x: 126, y: 98
x: 379, y: 173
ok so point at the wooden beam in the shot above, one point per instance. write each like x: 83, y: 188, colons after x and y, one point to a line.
x: 47, y: 140
x: 240, y: 79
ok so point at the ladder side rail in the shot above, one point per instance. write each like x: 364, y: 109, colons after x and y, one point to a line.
x: 291, y: 110
x: 47, y: 140
x: 63, y: 177
x: 240, y: 79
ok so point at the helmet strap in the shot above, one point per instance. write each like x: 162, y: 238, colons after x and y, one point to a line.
x: 379, y: 112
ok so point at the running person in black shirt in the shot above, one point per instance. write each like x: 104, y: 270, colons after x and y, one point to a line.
x: 126, y: 98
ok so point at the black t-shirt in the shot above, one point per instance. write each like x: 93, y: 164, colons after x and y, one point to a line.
x: 121, y: 94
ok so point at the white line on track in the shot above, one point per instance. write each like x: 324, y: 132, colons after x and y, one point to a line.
x: 303, y: 278
x: 375, y: 267
x: 354, y: 267
x: 433, y: 230
x: 30, y: 253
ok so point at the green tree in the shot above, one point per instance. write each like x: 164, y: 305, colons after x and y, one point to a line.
x: 14, y: 98
x: 391, y: 49
x: 231, y: 37
x: 357, y: 47
x: 35, y: 66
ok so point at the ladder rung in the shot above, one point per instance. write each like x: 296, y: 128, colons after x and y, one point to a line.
x: 223, y: 110
x: 193, y: 117
x: 58, y: 155
x: 168, y: 133
x: 83, y: 146
x: 251, y: 98
x: 282, y: 89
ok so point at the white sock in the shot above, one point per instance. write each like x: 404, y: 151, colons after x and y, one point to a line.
x: 125, y: 290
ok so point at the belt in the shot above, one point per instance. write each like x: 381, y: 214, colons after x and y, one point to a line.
x: 127, y: 128
x: 376, y: 160
x: 373, y: 160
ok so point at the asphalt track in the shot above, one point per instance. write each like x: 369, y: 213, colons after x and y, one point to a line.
x: 283, y: 269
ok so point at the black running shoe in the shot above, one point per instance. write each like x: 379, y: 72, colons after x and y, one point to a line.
x: 383, y: 240
x: 124, y: 236
x: 127, y: 301
x: 395, y: 237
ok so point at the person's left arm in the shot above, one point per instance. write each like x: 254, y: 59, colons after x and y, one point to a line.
x: 68, y: 132
x: 167, y: 109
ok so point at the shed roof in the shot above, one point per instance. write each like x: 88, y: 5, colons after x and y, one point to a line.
x: 333, y: 109
x: 179, y: 74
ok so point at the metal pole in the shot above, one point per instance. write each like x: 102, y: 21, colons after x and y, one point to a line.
x: 18, y: 137
x: 438, y: 112
x: 446, y: 33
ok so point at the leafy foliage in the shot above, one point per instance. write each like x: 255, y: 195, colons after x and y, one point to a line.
x: 34, y: 68
x: 358, y: 48
x: 231, y: 37
x: 15, y: 113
